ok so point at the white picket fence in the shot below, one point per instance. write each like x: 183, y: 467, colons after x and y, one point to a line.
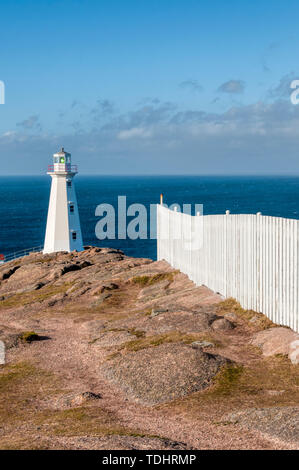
x: 253, y: 258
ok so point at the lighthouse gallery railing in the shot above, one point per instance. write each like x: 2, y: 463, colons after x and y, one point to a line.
x: 21, y: 253
x: 63, y: 167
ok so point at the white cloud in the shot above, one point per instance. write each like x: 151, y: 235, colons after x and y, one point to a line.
x: 8, y: 134
x: 138, y: 132
x: 160, y: 138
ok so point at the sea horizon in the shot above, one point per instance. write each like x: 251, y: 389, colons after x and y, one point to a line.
x: 169, y: 175
x: 23, y: 214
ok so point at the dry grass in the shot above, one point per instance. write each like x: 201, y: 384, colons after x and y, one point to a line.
x: 43, y: 259
x: 131, y: 331
x: 144, y: 342
x: 137, y: 333
x: 148, y: 312
x: 227, y: 380
x: 238, y: 387
x: 86, y: 420
x: 27, y: 298
x: 118, y: 306
x: 231, y: 305
x: 23, y: 387
x: 144, y: 281
x: 251, y: 384
x: 29, y: 336
x: 21, y: 384
x: 117, y: 299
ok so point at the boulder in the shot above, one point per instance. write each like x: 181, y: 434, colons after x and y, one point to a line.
x: 172, y: 371
x: 57, y: 298
x: 75, y: 399
x: 275, y: 422
x: 222, y: 324
x: 278, y: 340
x: 9, y: 336
x: 74, y: 267
x: 202, y: 344
x: 231, y: 316
x: 107, y: 286
x: 6, y: 274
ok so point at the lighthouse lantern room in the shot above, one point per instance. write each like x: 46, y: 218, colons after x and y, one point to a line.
x: 63, y: 232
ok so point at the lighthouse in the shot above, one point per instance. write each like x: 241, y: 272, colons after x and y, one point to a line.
x: 63, y: 232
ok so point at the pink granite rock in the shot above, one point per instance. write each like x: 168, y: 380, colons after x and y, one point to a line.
x: 279, y: 340
x: 222, y: 324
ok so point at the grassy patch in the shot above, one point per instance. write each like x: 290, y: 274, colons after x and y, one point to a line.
x: 116, y: 299
x: 22, y: 387
x: 253, y: 382
x: 29, y: 336
x: 148, y: 313
x: 84, y: 420
x: 227, y: 380
x: 43, y: 259
x: 131, y: 331
x: 231, y: 305
x: 238, y: 387
x: 144, y: 342
x: 13, y: 374
x: 119, y: 305
x: 116, y: 330
x: 137, y: 333
x: 144, y: 281
x: 27, y: 298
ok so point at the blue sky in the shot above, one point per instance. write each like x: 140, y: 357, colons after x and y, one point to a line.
x: 150, y: 87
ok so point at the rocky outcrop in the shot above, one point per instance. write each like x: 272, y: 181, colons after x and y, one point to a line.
x: 172, y: 371
x: 279, y: 340
x: 222, y: 324
x: 6, y: 273
x: 72, y: 400
x: 275, y: 422
x: 74, y: 267
x: 117, y: 335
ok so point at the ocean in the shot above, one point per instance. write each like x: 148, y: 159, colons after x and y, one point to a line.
x: 24, y: 203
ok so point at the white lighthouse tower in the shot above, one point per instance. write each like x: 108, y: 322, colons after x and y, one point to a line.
x: 63, y: 231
